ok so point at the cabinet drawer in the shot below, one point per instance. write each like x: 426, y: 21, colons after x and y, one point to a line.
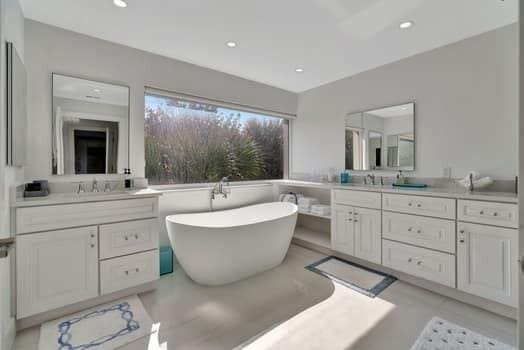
x: 499, y: 214
x: 434, y: 266
x: 128, y: 271
x: 357, y: 198
x: 438, y: 234
x: 420, y: 205
x: 128, y: 238
x: 51, y: 217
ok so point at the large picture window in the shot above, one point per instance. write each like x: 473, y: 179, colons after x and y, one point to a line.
x: 190, y: 141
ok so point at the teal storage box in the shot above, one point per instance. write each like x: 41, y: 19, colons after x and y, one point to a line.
x: 166, y: 260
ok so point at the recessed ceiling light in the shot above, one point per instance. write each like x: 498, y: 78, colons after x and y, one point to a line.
x: 299, y: 70
x: 231, y: 44
x: 120, y: 3
x: 406, y: 25
x: 96, y: 90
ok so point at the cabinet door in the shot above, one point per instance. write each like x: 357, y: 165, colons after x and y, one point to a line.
x: 342, y: 231
x: 368, y: 245
x: 56, y: 268
x: 487, y: 262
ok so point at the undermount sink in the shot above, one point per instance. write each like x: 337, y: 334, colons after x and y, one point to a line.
x: 87, y: 194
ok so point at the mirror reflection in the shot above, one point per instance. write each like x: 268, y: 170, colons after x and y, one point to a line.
x: 90, y: 127
x: 381, y: 139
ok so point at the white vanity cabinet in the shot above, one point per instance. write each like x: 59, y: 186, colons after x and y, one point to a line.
x: 112, y: 246
x: 56, y: 268
x: 356, y: 231
x: 487, y: 255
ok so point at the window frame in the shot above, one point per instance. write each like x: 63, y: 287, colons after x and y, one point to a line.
x: 150, y: 91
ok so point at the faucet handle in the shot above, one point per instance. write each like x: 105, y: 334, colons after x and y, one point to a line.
x: 107, y: 187
x: 94, y: 187
x: 81, y: 187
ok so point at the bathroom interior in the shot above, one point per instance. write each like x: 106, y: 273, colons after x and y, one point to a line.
x: 319, y: 174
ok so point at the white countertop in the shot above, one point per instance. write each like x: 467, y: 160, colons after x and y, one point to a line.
x: 69, y: 198
x: 504, y: 197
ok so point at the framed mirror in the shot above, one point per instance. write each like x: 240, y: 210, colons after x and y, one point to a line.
x: 381, y: 139
x: 90, y: 127
x: 16, y: 108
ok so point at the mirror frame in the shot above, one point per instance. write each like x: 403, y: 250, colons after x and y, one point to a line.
x: 128, y: 124
x: 361, y: 112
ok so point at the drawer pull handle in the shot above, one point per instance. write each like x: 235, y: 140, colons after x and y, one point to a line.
x: 126, y: 238
x: 356, y: 220
x: 461, y: 241
x: 419, y: 205
x: 92, y: 245
x: 461, y: 231
x: 355, y: 214
x: 420, y: 263
x: 350, y: 219
x: 495, y: 214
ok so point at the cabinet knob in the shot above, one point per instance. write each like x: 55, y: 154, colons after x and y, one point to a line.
x: 356, y: 220
x: 92, y: 245
x: 419, y: 263
x: 126, y: 238
x: 350, y: 220
x: 461, y: 241
x: 137, y: 270
x: 419, y: 231
x: 136, y: 236
x: 495, y: 214
x: 410, y: 229
x: 410, y: 260
x: 127, y: 272
x: 419, y: 205
x: 461, y: 231
x: 92, y: 235
x: 482, y: 212
x: 410, y: 204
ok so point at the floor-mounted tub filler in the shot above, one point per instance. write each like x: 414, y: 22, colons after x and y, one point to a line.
x: 221, y: 247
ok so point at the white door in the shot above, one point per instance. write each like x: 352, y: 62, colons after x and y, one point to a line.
x: 487, y: 262
x: 56, y: 268
x: 342, y: 232
x: 368, y: 240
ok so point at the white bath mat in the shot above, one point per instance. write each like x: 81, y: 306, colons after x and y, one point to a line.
x: 366, y: 281
x: 443, y: 335
x: 103, y: 327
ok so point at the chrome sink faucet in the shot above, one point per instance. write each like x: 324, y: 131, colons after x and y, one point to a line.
x: 372, y: 177
x: 218, y: 189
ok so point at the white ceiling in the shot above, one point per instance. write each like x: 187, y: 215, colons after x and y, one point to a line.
x: 90, y: 91
x: 330, y: 39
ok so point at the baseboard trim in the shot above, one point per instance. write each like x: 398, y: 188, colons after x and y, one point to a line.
x: 35, y: 320
x: 489, y: 305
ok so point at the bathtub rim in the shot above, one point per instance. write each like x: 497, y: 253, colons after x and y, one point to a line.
x: 293, y: 211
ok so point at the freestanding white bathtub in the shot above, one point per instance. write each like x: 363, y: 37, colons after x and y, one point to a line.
x: 220, y: 247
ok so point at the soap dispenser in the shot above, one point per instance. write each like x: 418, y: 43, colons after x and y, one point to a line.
x: 401, y: 180
x: 128, y: 181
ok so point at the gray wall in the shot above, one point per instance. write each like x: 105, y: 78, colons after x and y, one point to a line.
x: 50, y: 49
x: 466, y: 108
x: 11, y: 29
